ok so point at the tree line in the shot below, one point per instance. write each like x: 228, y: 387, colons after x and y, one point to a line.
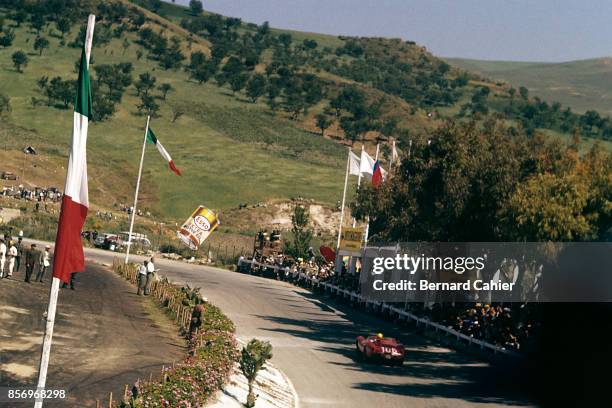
x: 491, y: 182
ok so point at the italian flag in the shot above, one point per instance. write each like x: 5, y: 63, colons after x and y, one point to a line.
x: 68, y: 255
x: 153, y: 140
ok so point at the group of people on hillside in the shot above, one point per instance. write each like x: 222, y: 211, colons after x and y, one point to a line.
x: 37, y: 194
x: 13, y: 252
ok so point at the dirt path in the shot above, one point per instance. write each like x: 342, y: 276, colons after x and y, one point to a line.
x: 105, y: 337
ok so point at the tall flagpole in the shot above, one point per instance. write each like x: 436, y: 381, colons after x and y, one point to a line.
x: 144, y: 146
x: 392, y: 158
x: 367, y: 230
x: 346, y: 177
x: 358, y: 180
x: 55, y: 283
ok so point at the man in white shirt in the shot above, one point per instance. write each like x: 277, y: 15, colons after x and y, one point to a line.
x: 150, y: 275
x: 2, y: 257
x: 12, y: 256
x: 142, y: 277
x: 44, y: 263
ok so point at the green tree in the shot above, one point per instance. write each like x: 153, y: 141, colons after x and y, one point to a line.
x: 147, y: 105
x: 20, y: 60
x: 253, y: 356
x: 238, y: 81
x: 60, y: 91
x: 456, y: 187
x: 40, y: 44
x: 256, y: 87
x: 512, y: 93
x: 145, y: 83
x: 63, y: 25
x: 115, y: 79
x: 172, y: 56
x: 6, y: 37
x: 233, y: 68
x: 285, y: 39
x: 195, y: 7
x: 155, y: 5
x: 200, y: 68
x: 549, y: 207
x: 389, y: 127
x: 164, y: 89
x: 37, y: 22
x: 302, y: 235
x: 323, y: 122
x: 524, y: 92
x: 20, y: 17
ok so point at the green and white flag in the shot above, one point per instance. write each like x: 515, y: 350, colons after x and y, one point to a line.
x: 153, y: 140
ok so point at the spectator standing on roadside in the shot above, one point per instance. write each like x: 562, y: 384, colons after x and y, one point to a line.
x: 31, y: 259
x: 150, y: 275
x: 72, y: 281
x: 142, y: 278
x: 2, y: 256
x: 19, y: 247
x: 196, y: 318
x: 12, y: 256
x: 44, y: 263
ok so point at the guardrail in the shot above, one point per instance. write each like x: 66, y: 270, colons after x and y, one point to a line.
x: 401, y: 314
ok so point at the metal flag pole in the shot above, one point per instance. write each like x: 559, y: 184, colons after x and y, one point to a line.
x: 55, y: 284
x: 367, y: 230
x: 358, y: 181
x: 392, y: 157
x: 144, y: 146
x: 346, y: 177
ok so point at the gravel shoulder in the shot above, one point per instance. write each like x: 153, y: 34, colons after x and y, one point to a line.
x: 105, y: 336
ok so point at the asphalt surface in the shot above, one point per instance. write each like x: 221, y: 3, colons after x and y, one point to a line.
x: 105, y: 337
x: 313, y: 340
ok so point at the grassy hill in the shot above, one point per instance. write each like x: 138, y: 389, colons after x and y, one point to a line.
x: 583, y: 85
x: 232, y: 150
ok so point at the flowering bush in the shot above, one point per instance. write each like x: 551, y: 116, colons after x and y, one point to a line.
x: 191, y: 383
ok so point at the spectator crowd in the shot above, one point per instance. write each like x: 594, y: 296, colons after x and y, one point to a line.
x: 14, y: 253
x: 501, y: 325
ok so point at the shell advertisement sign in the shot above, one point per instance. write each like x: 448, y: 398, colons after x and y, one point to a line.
x: 198, y: 227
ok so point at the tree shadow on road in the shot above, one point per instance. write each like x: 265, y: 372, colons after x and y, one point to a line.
x: 430, y: 371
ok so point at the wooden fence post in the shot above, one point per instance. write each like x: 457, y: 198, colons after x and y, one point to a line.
x: 110, y: 400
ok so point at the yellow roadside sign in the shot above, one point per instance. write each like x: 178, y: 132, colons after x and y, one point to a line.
x: 351, y: 238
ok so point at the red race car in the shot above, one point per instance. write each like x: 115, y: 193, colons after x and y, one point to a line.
x: 380, y: 348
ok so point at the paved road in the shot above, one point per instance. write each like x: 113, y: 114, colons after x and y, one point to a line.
x: 313, y: 345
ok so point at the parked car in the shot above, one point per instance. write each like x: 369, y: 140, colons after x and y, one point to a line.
x: 376, y: 347
x: 7, y: 175
x: 137, y: 239
x: 107, y: 241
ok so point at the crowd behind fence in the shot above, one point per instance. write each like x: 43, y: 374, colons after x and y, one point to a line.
x: 313, y: 282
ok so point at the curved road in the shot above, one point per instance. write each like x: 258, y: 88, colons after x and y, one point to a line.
x: 313, y: 345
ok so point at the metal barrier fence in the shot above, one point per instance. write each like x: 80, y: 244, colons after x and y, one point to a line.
x: 401, y: 314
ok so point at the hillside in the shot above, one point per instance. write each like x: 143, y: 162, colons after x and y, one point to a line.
x: 583, y: 85
x: 250, y: 113
x: 231, y: 151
